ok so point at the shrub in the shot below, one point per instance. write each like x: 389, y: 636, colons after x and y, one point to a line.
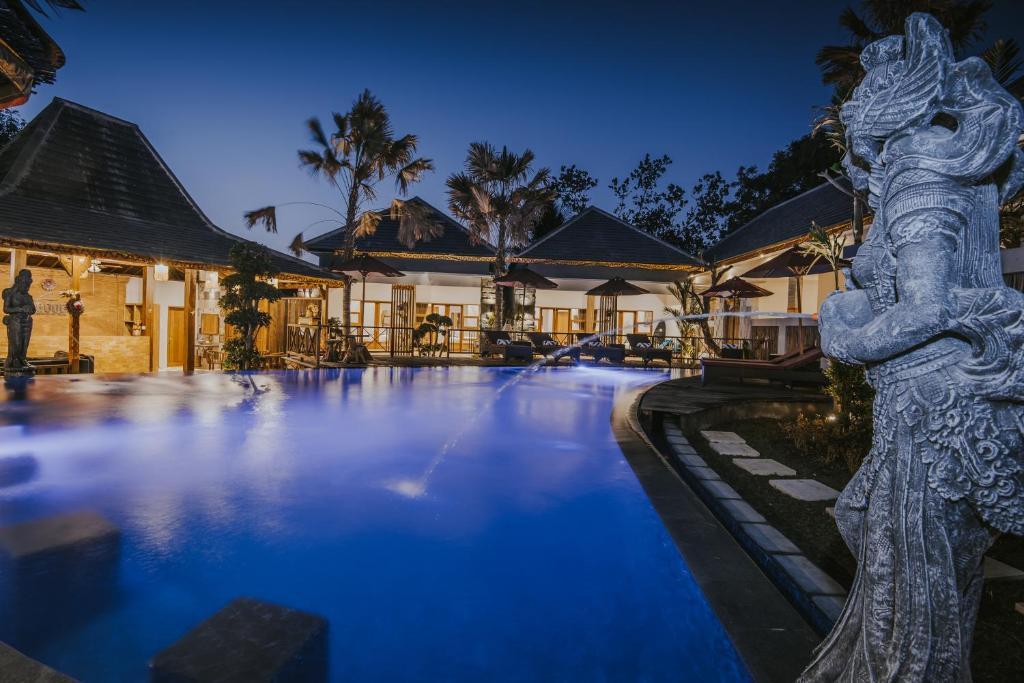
x: 843, y: 436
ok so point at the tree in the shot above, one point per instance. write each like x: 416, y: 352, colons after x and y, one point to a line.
x: 571, y: 189
x: 840, y: 64
x: 825, y: 246
x: 244, y: 289
x: 11, y: 124
x: 693, y: 309
x: 500, y: 200
x: 362, y: 152
x: 706, y: 216
x: 645, y: 202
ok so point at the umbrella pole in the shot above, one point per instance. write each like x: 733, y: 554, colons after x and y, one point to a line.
x: 362, y: 307
x: 523, y: 326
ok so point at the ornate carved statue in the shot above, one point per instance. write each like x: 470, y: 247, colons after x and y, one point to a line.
x: 18, y: 311
x: 935, y: 143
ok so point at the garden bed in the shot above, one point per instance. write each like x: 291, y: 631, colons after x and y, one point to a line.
x: 999, y: 642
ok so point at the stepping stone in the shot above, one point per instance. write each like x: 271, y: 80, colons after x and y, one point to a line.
x: 764, y: 467
x: 994, y: 569
x: 831, y: 605
x: 691, y: 459
x: 809, y: 576
x: 731, y: 449
x: 1019, y: 607
x: 18, y: 469
x: 770, y: 539
x: 722, y: 437
x: 805, y: 489
x: 247, y: 640
x: 703, y: 473
x: 831, y: 512
x: 741, y: 511
x: 17, y: 668
x: 719, y: 489
x: 56, y: 569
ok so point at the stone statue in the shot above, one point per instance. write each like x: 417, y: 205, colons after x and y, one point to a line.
x: 18, y: 311
x: 935, y: 143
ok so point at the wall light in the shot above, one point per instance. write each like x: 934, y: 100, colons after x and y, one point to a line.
x: 211, y: 278
x: 94, y: 267
x: 161, y: 273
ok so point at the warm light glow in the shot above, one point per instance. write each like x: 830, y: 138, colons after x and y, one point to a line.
x: 211, y: 278
x: 161, y: 273
x: 94, y: 267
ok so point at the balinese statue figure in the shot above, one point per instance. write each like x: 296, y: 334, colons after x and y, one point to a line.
x: 18, y: 311
x: 935, y: 144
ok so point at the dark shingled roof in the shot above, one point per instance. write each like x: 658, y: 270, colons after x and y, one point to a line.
x: 454, y: 240
x: 825, y: 205
x: 76, y: 177
x: 598, y: 236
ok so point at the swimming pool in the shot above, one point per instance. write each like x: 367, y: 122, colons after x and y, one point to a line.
x: 458, y: 524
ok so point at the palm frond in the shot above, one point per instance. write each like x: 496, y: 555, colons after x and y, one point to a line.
x: 416, y: 222
x: 411, y: 173
x: 267, y: 217
x: 54, y: 5
x: 367, y: 223
x: 297, y: 246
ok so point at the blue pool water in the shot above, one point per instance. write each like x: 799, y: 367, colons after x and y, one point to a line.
x: 462, y: 524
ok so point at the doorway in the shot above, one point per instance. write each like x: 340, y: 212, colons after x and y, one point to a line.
x: 175, y: 337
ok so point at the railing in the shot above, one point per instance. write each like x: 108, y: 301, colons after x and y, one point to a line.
x: 687, y: 350
x: 303, y: 340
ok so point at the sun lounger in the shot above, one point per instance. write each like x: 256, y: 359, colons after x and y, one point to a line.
x: 798, y: 367
x: 592, y: 346
x: 640, y: 345
x: 499, y: 342
x: 548, y: 346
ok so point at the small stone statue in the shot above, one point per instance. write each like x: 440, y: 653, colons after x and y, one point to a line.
x: 18, y: 311
x: 934, y: 141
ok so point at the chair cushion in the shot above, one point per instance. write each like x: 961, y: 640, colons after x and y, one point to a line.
x: 503, y: 342
x: 643, y: 345
x: 550, y: 342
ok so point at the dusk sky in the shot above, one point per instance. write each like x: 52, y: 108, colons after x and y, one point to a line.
x: 223, y: 89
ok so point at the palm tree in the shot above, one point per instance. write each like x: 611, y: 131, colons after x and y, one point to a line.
x: 500, y: 200
x: 693, y: 309
x: 840, y: 64
x: 361, y: 152
x: 825, y: 246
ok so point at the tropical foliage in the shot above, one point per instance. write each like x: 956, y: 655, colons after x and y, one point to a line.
x: 431, y: 337
x: 244, y: 290
x: 827, y: 246
x: 500, y: 199
x: 361, y: 152
x: 691, y: 313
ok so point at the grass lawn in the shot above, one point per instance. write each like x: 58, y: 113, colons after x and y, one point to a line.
x: 999, y: 640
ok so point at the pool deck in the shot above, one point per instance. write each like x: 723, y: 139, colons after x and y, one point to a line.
x: 772, y: 638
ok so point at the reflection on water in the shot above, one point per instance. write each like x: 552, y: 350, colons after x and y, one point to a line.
x: 446, y: 530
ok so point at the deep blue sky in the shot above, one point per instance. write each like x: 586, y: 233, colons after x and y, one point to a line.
x: 223, y: 88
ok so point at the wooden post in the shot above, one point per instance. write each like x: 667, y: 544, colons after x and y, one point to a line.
x: 190, y: 321
x: 150, y: 316
x: 19, y: 260
x: 74, y: 321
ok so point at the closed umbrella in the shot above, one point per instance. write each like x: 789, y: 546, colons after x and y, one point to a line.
x: 610, y: 292
x: 794, y: 262
x: 527, y: 278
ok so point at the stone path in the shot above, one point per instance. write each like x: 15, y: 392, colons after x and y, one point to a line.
x: 826, y: 594
x: 731, y: 449
x: 994, y: 569
x: 805, y: 489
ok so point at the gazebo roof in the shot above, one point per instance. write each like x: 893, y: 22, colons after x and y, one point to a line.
x: 78, y: 180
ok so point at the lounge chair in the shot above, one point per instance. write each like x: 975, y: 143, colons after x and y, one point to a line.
x: 546, y: 345
x: 499, y: 342
x: 592, y: 346
x: 797, y: 367
x: 640, y: 345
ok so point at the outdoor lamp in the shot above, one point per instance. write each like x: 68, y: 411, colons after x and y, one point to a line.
x: 161, y: 273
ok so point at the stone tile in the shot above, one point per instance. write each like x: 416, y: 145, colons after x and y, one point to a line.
x: 831, y: 605
x: 678, y: 441
x: 805, y: 489
x: 703, y: 473
x: 741, y: 511
x: 672, y: 429
x: 733, y: 449
x: 719, y: 489
x: 248, y: 640
x: 770, y: 539
x: 1019, y: 607
x: 994, y: 569
x: 722, y: 437
x: 764, y: 467
x: 831, y: 512
x: 17, y: 668
x: 682, y: 448
x: 808, y: 576
x: 691, y: 460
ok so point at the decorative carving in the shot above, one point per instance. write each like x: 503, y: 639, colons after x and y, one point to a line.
x: 935, y: 143
x: 18, y: 311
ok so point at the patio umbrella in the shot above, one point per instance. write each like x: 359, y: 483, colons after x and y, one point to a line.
x: 527, y: 278
x: 734, y: 289
x: 365, y: 264
x: 794, y: 262
x: 610, y: 292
